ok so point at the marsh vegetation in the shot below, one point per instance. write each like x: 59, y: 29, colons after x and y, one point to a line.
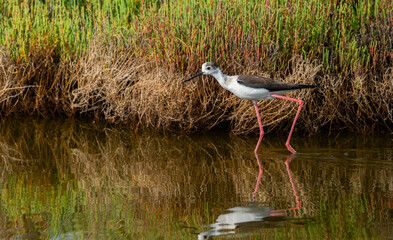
x: 123, y: 61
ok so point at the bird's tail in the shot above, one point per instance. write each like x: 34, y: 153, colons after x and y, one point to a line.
x: 307, y: 86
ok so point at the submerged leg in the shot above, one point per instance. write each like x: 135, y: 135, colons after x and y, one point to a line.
x: 294, y: 121
x: 260, y: 127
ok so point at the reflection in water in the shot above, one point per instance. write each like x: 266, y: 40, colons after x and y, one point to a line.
x: 259, y: 177
x: 70, y: 179
x: 297, y: 200
x: 242, y: 220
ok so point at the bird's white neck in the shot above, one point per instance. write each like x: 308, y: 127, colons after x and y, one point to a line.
x: 221, y: 78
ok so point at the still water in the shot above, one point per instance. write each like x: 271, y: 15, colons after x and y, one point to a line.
x: 69, y: 179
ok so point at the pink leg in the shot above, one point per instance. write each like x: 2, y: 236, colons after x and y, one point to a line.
x: 260, y: 127
x: 294, y: 121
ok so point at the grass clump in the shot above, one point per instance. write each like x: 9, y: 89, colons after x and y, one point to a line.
x: 123, y: 60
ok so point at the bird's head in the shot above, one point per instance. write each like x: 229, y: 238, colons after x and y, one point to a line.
x: 208, y: 68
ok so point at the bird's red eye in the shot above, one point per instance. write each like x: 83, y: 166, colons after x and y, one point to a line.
x: 208, y: 68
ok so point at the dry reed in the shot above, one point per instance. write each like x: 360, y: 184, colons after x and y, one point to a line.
x: 112, y: 85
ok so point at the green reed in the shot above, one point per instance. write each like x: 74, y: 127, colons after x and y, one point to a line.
x: 343, y: 36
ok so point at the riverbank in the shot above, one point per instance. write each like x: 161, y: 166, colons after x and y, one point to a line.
x: 124, y: 62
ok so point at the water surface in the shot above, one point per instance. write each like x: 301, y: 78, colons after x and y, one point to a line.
x: 71, y: 179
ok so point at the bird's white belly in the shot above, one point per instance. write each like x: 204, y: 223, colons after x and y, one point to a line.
x: 254, y: 94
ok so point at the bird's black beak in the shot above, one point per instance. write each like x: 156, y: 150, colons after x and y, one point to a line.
x: 199, y: 74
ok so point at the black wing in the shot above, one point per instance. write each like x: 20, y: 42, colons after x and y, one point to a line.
x: 268, y: 83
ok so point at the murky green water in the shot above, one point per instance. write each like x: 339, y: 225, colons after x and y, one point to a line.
x: 65, y: 179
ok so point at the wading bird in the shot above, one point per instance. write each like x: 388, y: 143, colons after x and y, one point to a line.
x: 254, y: 88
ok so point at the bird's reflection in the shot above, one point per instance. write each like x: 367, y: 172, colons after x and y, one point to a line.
x: 241, y: 220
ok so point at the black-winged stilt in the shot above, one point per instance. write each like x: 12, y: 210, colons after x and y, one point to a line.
x: 254, y: 88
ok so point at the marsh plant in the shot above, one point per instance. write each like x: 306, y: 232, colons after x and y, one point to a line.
x: 124, y: 60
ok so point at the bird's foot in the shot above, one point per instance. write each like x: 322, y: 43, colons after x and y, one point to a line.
x: 289, y: 147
